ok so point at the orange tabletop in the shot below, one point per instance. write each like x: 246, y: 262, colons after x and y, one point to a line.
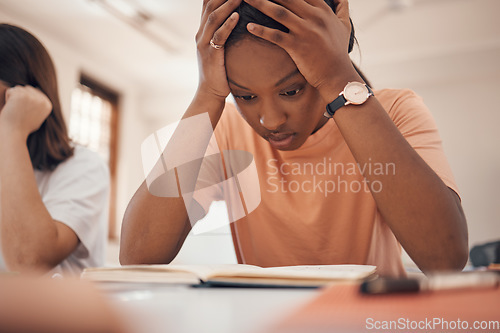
x: 342, y: 308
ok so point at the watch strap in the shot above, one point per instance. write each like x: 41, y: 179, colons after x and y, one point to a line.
x: 335, y: 105
x: 370, y: 91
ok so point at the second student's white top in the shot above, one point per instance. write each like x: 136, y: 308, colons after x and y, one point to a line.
x: 76, y: 194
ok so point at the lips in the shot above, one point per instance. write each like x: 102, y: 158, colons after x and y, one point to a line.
x: 280, y: 140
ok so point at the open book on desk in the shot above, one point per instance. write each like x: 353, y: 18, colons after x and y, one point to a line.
x: 236, y: 275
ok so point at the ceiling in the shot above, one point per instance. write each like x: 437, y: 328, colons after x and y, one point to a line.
x: 387, y: 30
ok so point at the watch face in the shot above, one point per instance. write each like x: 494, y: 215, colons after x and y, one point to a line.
x: 356, y: 92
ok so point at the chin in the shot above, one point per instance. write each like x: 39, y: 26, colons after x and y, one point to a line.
x: 296, y: 144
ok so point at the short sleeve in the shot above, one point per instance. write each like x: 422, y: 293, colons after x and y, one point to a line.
x: 416, y: 124
x: 76, y: 194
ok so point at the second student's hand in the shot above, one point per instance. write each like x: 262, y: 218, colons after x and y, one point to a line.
x: 24, y: 111
x: 216, y: 25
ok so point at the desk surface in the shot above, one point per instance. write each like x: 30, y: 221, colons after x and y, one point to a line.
x: 181, y: 309
x: 155, y: 308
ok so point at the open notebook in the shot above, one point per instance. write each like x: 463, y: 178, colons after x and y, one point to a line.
x: 233, y: 275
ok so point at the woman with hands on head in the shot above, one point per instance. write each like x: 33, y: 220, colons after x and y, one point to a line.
x: 53, y: 194
x: 351, y: 189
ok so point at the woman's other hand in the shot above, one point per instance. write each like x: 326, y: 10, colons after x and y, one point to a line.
x: 217, y: 23
x: 318, y: 40
x: 25, y: 109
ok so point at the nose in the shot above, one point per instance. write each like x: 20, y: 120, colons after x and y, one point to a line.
x: 272, y: 118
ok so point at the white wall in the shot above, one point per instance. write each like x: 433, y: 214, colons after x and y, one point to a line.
x: 468, y: 112
x: 470, y: 129
x: 461, y: 88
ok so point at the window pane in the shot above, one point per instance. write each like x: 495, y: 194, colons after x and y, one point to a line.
x: 90, y: 121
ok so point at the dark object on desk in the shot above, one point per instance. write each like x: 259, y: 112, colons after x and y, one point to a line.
x: 485, y: 254
x: 434, y: 282
x: 390, y: 285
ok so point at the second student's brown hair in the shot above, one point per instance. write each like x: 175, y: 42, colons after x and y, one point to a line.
x: 25, y: 61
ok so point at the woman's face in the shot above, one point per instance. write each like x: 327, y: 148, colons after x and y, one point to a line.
x: 272, y: 95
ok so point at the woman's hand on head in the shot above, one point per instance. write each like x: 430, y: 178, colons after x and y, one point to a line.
x: 217, y: 23
x: 25, y: 109
x: 318, y: 40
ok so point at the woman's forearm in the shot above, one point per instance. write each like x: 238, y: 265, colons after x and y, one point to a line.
x: 30, y: 238
x: 156, y: 221
x: 423, y: 213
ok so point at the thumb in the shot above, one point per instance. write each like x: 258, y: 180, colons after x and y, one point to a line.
x: 342, y: 11
x: 8, y: 93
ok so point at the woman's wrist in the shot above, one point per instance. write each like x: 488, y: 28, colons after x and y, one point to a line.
x: 333, y: 86
x: 10, y: 133
x: 206, y: 102
x: 209, y: 94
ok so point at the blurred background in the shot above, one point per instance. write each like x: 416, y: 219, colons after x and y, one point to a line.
x: 127, y: 68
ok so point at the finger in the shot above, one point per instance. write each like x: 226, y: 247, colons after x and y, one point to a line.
x: 300, y: 8
x: 12, y: 90
x: 277, y: 12
x: 8, y: 93
x: 208, y: 7
x: 221, y: 35
x: 318, y: 3
x: 216, y: 18
x: 274, y: 36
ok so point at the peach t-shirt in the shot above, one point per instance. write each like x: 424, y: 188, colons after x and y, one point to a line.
x: 315, y: 207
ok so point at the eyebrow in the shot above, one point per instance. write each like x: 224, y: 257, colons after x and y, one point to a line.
x: 284, y: 79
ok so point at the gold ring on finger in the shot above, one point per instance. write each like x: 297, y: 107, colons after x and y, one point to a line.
x: 215, y: 46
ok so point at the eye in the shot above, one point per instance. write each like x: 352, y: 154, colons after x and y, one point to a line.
x: 246, y: 97
x: 291, y: 93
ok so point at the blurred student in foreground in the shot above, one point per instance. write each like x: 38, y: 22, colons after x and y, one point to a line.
x: 45, y: 305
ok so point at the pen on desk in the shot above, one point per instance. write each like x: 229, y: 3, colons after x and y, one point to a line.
x: 435, y: 282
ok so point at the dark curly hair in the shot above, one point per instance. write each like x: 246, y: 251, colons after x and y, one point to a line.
x: 249, y: 14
